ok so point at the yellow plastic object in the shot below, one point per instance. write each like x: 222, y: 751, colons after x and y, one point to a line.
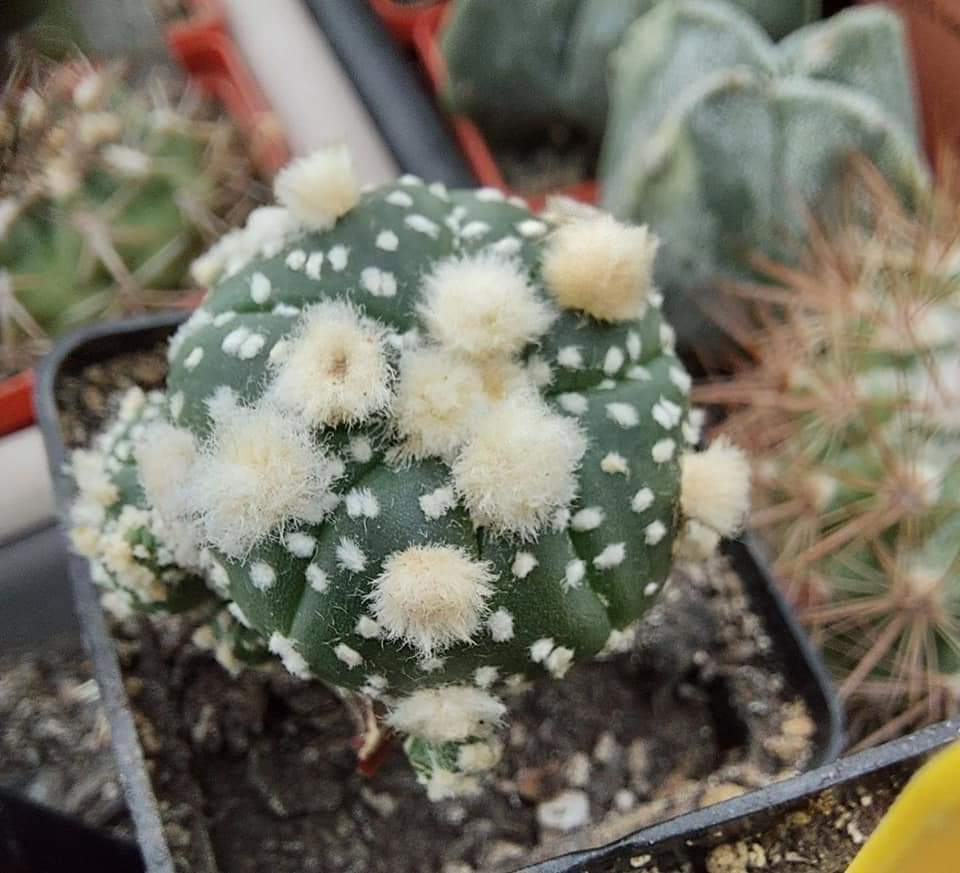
x: 921, y: 831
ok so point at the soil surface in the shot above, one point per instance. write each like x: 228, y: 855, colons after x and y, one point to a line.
x: 259, y: 773
x: 559, y: 159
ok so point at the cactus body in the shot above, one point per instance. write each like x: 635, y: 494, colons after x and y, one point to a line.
x: 723, y: 141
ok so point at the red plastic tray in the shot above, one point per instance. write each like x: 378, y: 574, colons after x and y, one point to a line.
x: 402, y: 19
x: 426, y: 43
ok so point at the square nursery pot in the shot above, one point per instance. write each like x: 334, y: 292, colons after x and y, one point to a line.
x: 775, y: 829
x: 802, y: 673
x: 403, y: 18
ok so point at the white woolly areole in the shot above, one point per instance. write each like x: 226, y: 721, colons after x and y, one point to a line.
x: 602, y: 267
x: 259, y: 470
x: 430, y: 597
x: 500, y: 625
x: 715, y: 486
x: 292, y: 659
x: 483, y: 306
x: 519, y: 466
x: 319, y: 188
x: 164, y: 456
x: 335, y: 369
x: 450, y: 714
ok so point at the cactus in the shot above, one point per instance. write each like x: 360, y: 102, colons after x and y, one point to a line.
x: 433, y: 445
x: 850, y: 411
x: 558, y: 51
x: 105, y: 198
x: 723, y: 141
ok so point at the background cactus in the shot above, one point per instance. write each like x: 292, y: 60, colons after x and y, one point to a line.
x: 723, y: 141
x: 521, y: 67
x: 851, y: 413
x: 105, y: 198
x: 432, y: 445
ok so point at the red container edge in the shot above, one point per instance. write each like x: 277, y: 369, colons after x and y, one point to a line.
x: 402, y: 19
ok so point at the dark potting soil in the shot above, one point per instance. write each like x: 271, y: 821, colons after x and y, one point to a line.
x: 259, y: 772
x: 560, y: 158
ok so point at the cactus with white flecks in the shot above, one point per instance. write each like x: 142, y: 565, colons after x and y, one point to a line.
x: 434, y: 444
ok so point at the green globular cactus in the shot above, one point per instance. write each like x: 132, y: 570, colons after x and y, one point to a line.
x: 518, y: 68
x: 437, y: 445
x: 106, y: 196
x: 723, y: 142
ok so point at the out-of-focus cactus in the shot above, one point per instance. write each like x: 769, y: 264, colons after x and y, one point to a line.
x: 519, y: 67
x: 433, y: 444
x: 851, y: 413
x: 105, y: 198
x: 723, y: 142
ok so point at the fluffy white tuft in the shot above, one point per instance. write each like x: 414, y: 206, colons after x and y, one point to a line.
x: 479, y: 757
x: 165, y: 455
x: 258, y: 471
x: 438, y: 503
x: 715, y: 486
x: 500, y: 624
x: 519, y: 466
x: 292, y: 659
x: 320, y: 187
x: 612, y: 556
x: 450, y: 714
x: 351, y: 657
x: 335, y: 370
x: 602, y: 267
x: 588, y: 519
x: 523, y: 565
x: 623, y: 414
x: 614, y: 463
x: 350, y: 556
x: 559, y: 661
x: 431, y: 596
x: 697, y: 542
x: 483, y: 306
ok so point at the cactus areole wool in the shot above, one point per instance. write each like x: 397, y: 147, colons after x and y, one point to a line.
x: 421, y: 444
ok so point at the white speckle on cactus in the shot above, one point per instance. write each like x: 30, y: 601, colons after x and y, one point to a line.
x: 500, y: 625
x: 126, y: 161
x: 489, y: 195
x: 482, y: 306
x: 301, y: 545
x: 575, y: 404
x: 639, y: 374
x: 336, y: 370
x: 410, y: 180
x: 539, y: 371
x: 399, y: 198
x: 438, y: 503
x: 319, y: 188
x: 235, y: 610
x: 614, y: 463
x: 541, y: 649
x: 367, y: 628
x: 262, y: 575
x: 559, y: 661
x: 422, y: 224
x: 193, y: 360
x: 691, y: 432
x: 379, y: 283
x: 350, y: 556
x: 681, y: 378
x: 314, y: 265
x: 362, y: 503
x: 623, y: 414
x: 655, y: 298
x: 361, y: 450
x: 663, y: 450
x: 668, y: 337
x: 317, y: 578
x: 388, y: 241
x: 519, y: 466
x: 351, y: 657
x: 285, y: 310
x: 380, y: 683
x: 484, y: 677
x: 431, y: 596
x: 715, y: 486
x: 523, y: 564
x: 600, y: 266
x: 634, y: 345
x: 222, y: 318
x: 570, y: 358
x: 439, y: 190
x: 292, y: 659
x: 507, y: 247
x: 613, y: 360
x: 176, y: 405
x: 279, y: 351
x: 431, y: 665
x: 654, y: 532
x: 338, y: 256
x: 296, y: 260
x: 612, y: 556
x: 531, y: 228
x: 666, y: 413
x: 561, y: 520
x: 606, y: 385
x: 642, y: 500
x: 451, y: 714
x: 475, y: 230
x: 588, y: 519
x: 234, y: 340
x: 518, y: 202
x: 650, y: 589
x: 251, y: 346
x: 574, y: 573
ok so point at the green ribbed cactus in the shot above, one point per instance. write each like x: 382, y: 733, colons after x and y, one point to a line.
x: 519, y: 67
x: 723, y: 141
x: 105, y: 198
x: 433, y: 444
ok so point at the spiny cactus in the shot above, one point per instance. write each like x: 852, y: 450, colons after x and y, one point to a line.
x: 521, y: 67
x: 105, y: 198
x: 723, y: 142
x: 851, y: 413
x: 433, y: 444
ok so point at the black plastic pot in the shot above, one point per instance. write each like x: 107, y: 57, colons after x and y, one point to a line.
x: 691, y: 836
x: 393, y: 91
x: 802, y: 669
